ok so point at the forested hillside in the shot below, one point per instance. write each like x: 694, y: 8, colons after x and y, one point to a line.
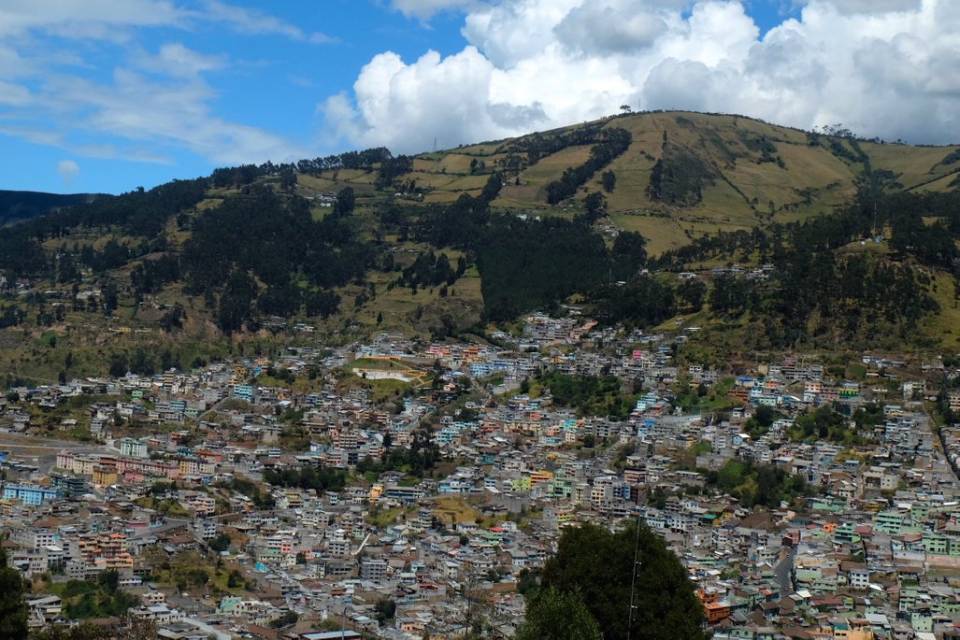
x: 20, y: 205
x: 762, y: 237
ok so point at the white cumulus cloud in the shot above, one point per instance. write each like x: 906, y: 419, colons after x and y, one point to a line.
x: 68, y: 170
x: 885, y: 68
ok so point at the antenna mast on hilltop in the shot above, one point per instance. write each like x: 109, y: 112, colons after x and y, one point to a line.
x: 434, y: 144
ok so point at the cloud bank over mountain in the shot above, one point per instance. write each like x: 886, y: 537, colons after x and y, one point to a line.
x: 886, y: 68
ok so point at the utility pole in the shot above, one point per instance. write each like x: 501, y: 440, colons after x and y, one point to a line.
x: 633, y: 580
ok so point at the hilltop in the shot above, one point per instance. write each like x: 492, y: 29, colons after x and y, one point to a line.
x: 728, y: 172
x: 446, y: 242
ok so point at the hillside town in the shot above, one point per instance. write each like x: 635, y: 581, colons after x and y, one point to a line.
x: 405, y: 489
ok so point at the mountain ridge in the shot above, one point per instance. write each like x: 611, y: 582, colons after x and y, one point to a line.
x: 22, y: 205
x: 453, y: 241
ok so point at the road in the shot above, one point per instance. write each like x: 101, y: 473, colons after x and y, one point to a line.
x: 18, y: 441
x: 784, y: 571
x: 169, y: 525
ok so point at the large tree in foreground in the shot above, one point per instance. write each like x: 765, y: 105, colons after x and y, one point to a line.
x: 596, y: 567
x: 555, y: 615
x: 13, y: 607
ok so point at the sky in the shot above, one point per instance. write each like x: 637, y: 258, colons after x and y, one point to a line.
x: 109, y: 95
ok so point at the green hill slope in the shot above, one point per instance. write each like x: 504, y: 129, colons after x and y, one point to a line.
x: 344, y: 246
x: 760, y: 173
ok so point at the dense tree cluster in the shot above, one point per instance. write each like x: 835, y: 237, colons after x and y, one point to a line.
x: 311, y: 477
x: 642, y: 302
x: 418, y: 459
x: 149, y: 276
x: 627, y: 584
x: 530, y: 264
x: 21, y: 205
x: 679, y: 177
x: 431, y: 270
x: 589, y: 395
x: 628, y: 254
x: 391, y: 169
x: 276, y: 240
x: 830, y: 424
x: 613, y: 143
x: 138, y: 213
x: 763, y: 145
x: 540, y: 145
x: 754, y: 485
x: 250, y: 173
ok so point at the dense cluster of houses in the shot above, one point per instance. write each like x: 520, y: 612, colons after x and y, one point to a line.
x: 172, y: 468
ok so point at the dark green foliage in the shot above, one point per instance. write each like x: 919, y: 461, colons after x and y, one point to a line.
x: 492, y: 188
x: 418, y: 460
x: 679, y: 177
x: 101, y: 599
x: 285, y: 620
x: 20, y: 253
x: 220, y: 543
x: 20, y: 205
x: 321, y: 303
x: 236, y: 301
x: 428, y: 270
x: 642, y: 302
x: 609, y: 180
x: 558, y: 615
x: 540, y: 145
x: 248, y: 174
x: 589, y: 395
x: 613, y: 143
x: 931, y: 244
x: 118, y: 365
x: 142, y: 362
x: 527, y: 265
x: 951, y: 158
x: 848, y: 294
x: 596, y: 207
x: 825, y: 423
x: 307, y: 477
x: 629, y: 255
x: 111, y: 256
x: 346, y: 202
x: 759, y: 143
x: 754, y: 485
x: 846, y: 149
x: 13, y: 607
x: 173, y: 318
x: 391, y: 169
x: 139, y: 213
x: 11, y: 316
x: 730, y: 295
x: 271, y: 237
x: 761, y: 420
x: 386, y: 609
x: 692, y: 293
x: 598, y: 566
x: 150, y: 276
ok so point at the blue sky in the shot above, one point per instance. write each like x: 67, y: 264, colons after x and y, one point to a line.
x: 108, y: 95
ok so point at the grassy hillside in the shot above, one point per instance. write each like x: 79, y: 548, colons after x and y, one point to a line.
x: 763, y: 173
